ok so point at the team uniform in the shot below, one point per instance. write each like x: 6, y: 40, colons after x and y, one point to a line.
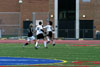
x: 49, y: 33
x: 39, y: 32
x: 49, y: 30
x: 30, y: 35
x: 40, y: 35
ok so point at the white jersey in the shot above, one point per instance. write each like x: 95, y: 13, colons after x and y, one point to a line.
x: 38, y: 29
x: 48, y: 27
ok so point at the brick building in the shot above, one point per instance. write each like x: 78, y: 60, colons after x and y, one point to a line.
x: 75, y: 18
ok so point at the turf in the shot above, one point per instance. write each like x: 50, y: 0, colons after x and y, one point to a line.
x: 74, y: 55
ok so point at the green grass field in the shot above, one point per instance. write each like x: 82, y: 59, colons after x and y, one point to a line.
x: 74, y: 55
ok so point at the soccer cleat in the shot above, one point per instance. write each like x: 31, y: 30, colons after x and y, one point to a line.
x: 54, y: 44
x: 46, y: 47
x: 36, y: 47
x: 48, y: 42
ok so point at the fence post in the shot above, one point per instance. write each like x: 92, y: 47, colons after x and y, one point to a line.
x: 0, y: 33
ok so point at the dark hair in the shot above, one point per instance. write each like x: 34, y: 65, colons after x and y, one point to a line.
x: 50, y: 22
x: 40, y: 23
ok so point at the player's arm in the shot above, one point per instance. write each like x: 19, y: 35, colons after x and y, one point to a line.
x: 42, y: 30
x: 36, y: 28
x: 53, y: 29
x: 45, y: 26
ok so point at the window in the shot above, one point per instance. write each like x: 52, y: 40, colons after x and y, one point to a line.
x: 86, y: 0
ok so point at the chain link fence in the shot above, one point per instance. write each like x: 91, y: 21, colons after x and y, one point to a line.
x: 9, y: 23
x: 10, y: 27
x: 16, y: 33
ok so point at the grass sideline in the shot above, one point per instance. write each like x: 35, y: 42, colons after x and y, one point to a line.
x: 75, y: 55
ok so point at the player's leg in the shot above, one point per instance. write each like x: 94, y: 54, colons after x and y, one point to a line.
x: 48, y: 39
x: 37, y: 41
x: 53, y: 42
x: 33, y: 39
x: 36, y: 44
x: 44, y: 39
x: 49, y: 35
x: 27, y: 43
x: 45, y: 43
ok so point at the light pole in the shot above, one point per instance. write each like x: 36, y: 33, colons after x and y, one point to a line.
x: 20, y: 1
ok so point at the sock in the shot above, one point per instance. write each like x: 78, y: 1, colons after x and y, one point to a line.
x: 45, y: 44
x: 48, y: 39
x: 26, y: 44
x: 36, y: 44
x: 53, y: 42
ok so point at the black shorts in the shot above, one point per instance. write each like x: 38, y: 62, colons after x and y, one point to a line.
x: 49, y: 34
x: 40, y: 36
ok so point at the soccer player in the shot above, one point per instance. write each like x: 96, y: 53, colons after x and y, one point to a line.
x: 30, y: 36
x: 40, y: 35
x: 49, y: 32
